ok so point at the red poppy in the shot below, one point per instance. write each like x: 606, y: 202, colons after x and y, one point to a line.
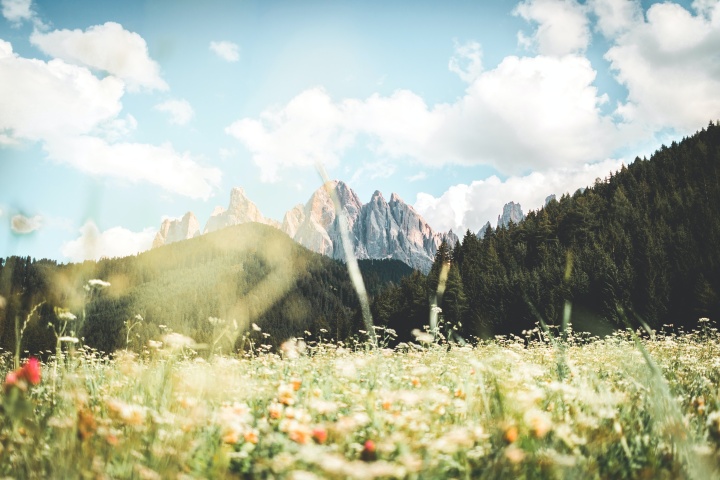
x: 31, y: 371
x: 368, y: 453
x: 320, y: 434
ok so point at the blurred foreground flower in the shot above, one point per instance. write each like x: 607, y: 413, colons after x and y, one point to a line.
x: 98, y: 283
x: 369, y: 452
x: 177, y: 341
x: 29, y: 373
x: 422, y: 337
x: 293, y: 348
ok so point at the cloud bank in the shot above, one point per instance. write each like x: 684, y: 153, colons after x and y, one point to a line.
x: 76, y: 117
x: 107, y: 48
x: 92, y: 244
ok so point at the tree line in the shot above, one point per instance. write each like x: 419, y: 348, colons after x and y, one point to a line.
x: 640, y: 245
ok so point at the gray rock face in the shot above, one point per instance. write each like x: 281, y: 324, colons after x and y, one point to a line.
x: 451, y: 239
x: 550, y: 198
x: 315, y: 225
x: 293, y: 219
x: 512, y: 212
x: 176, y: 230
x: 483, y: 230
x: 378, y: 229
x: 241, y: 210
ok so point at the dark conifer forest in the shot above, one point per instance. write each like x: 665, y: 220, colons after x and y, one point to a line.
x: 641, y: 245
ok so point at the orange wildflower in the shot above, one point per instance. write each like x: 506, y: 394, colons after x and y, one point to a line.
x: 511, y: 434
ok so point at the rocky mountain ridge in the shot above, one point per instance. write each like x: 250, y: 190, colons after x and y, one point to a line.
x: 379, y: 229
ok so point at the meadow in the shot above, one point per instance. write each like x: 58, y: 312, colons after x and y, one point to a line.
x: 629, y: 405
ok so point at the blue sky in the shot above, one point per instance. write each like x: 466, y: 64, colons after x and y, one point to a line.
x: 115, y: 115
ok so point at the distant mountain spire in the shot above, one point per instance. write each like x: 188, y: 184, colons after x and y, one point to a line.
x: 174, y: 230
x: 512, y: 212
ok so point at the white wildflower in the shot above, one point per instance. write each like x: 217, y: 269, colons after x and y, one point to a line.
x: 422, y: 337
x: 67, y: 316
x: 177, y: 341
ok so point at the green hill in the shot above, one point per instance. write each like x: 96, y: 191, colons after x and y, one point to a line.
x: 201, y: 288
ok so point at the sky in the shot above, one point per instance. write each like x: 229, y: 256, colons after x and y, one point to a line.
x: 117, y: 115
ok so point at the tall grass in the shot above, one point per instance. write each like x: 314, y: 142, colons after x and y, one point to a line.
x: 316, y: 410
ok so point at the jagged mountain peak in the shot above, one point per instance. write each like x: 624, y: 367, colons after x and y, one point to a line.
x: 483, y: 230
x: 238, y: 196
x: 378, y: 229
x: 395, y: 198
x: 174, y: 230
x: 512, y: 212
x: 240, y: 210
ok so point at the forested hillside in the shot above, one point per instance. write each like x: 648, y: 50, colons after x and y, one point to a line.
x: 639, y: 244
x: 643, y: 243
x: 244, y: 274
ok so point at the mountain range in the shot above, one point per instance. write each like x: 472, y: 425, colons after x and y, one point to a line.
x: 379, y: 229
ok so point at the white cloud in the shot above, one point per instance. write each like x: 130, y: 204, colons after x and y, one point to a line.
x: 75, y: 116
x: 313, y: 129
x: 562, y: 26
x: 228, y: 51
x: 527, y: 113
x: 24, y: 225
x: 43, y: 100
x: 16, y: 11
x: 308, y: 130
x: 464, y: 207
x: 670, y: 67
x: 466, y: 61
x: 708, y: 8
x: 117, y: 128
x: 400, y: 125
x: 616, y: 16
x: 161, y: 165
x: 180, y: 111
x: 92, y: 244
x: 109, y: 48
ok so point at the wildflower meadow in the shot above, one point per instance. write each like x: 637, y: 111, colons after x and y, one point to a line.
x: 629, y: 405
